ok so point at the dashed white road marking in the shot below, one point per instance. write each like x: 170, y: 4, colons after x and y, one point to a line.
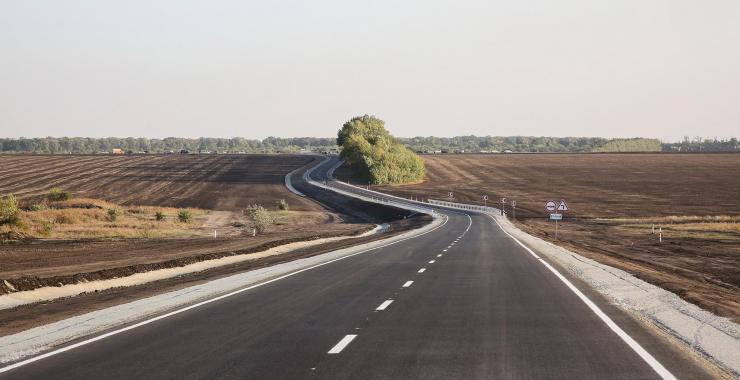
x: 421, y: 270
x: 407, y: 284
x: 384, y: 305
x: 431, y: 261
x: 444, y: 250
x: 440, y: 255
x: 342, y: 344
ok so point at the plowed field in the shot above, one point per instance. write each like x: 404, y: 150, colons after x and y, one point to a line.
x: 212, y: 182
x: 614, y: 200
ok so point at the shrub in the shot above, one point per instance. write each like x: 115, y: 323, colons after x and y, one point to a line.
x: 260, y: 217
x: 57, y: 194
x: 113, y: 214
x: 282, y: 205
x: 37, y: 207
x: 8, y: 209
x: 159, y: 215
x: 184, y: 216
x: 47, y: 227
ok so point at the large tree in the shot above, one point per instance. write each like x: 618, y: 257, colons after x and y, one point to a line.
x: 374, y: 155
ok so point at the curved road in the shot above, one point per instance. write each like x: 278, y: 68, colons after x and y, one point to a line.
x: 464, y: 301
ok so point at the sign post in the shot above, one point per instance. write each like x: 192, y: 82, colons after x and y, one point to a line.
x: 503, y: 205
x: 485, y: 200
x: 513, y: 208
x: 552, y: 207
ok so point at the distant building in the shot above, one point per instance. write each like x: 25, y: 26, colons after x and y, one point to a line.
x: 116, y: 151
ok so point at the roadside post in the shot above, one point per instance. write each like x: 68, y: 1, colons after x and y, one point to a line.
x: 513, y: 208
x: 214, y: 234
x: 660, y: 235
x: 503, y: 205
x: 551, y: 206
x: 485, y: 200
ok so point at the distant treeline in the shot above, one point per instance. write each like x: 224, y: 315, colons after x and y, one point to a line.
x: 467, y: 144
x: 83, y: 145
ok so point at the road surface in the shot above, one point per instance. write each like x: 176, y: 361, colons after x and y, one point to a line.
x: 464, y: 301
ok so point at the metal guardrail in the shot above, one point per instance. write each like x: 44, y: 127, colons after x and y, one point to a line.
x: 464, y: 206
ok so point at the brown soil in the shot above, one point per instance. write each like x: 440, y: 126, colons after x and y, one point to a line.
x: 212, y: 182
x: 702, y: 268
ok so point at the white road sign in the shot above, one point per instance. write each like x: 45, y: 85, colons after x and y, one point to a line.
x: 562, y: 206
x: 485, y: 197
x: 513, y: 203
x: 451, y: 194
x: 556, y: 216
x: 551, y: 206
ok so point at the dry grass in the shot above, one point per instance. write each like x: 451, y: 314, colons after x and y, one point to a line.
x: 89, y: 219
x: 718, y: 227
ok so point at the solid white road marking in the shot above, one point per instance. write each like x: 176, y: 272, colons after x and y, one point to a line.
x: 407, y: 284
x: 649, y: 359
x: 184, y: 309
x: 342, y: 344
x: 384, y: 305
x: 431, y: 261
x: 421, y: 270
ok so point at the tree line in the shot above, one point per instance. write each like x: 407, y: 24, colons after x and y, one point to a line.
x: 431, y: 144
x: 87, y: 145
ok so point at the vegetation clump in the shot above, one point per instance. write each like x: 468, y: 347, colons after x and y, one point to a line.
x: 56, y: 194
x: 282, y: 205
x: 376, y: 156
x: 9, y: 209
x: 113, y: 214
x: 261, y: 218
x: 159, y: 216
x: 37, y: 207
x: 184, y: 216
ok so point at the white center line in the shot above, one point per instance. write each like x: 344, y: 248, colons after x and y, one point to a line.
x: 384, y: 305
x: 422, y: 270
x: 431, y: 261
x: 407, y: 284
x: 444, y: 250
x: 440, y: 255
x: 342, y: 344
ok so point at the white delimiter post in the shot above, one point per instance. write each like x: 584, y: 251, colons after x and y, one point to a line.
x: 660, y: 235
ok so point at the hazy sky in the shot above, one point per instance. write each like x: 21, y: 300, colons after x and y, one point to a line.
x: 301, y: 68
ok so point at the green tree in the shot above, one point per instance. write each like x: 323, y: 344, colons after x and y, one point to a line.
x: 374, y: 155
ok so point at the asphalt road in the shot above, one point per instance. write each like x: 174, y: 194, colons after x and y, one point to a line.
x: 464, y: 301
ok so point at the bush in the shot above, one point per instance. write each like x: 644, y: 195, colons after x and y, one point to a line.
x: 113, y: 214
x: 37, y: 207
x: 159, y: 215
x: 9, y: 209
x: 57, y: 194
x: 283, y: 205
x: 260, y: 217
x: 184, y: 216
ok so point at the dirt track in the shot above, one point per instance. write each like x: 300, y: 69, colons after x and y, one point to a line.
x: 703, y: 267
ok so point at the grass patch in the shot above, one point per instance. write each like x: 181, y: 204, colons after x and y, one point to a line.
x: 96, y: 219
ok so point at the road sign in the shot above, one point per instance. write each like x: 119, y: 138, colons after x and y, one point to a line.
x: 556, y: 216
x: 451, y: 194
x: 503, y: 200
x: 562, y: 206
x: 485, y: 197
x: 513, y: 203
x: 551, y: 206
